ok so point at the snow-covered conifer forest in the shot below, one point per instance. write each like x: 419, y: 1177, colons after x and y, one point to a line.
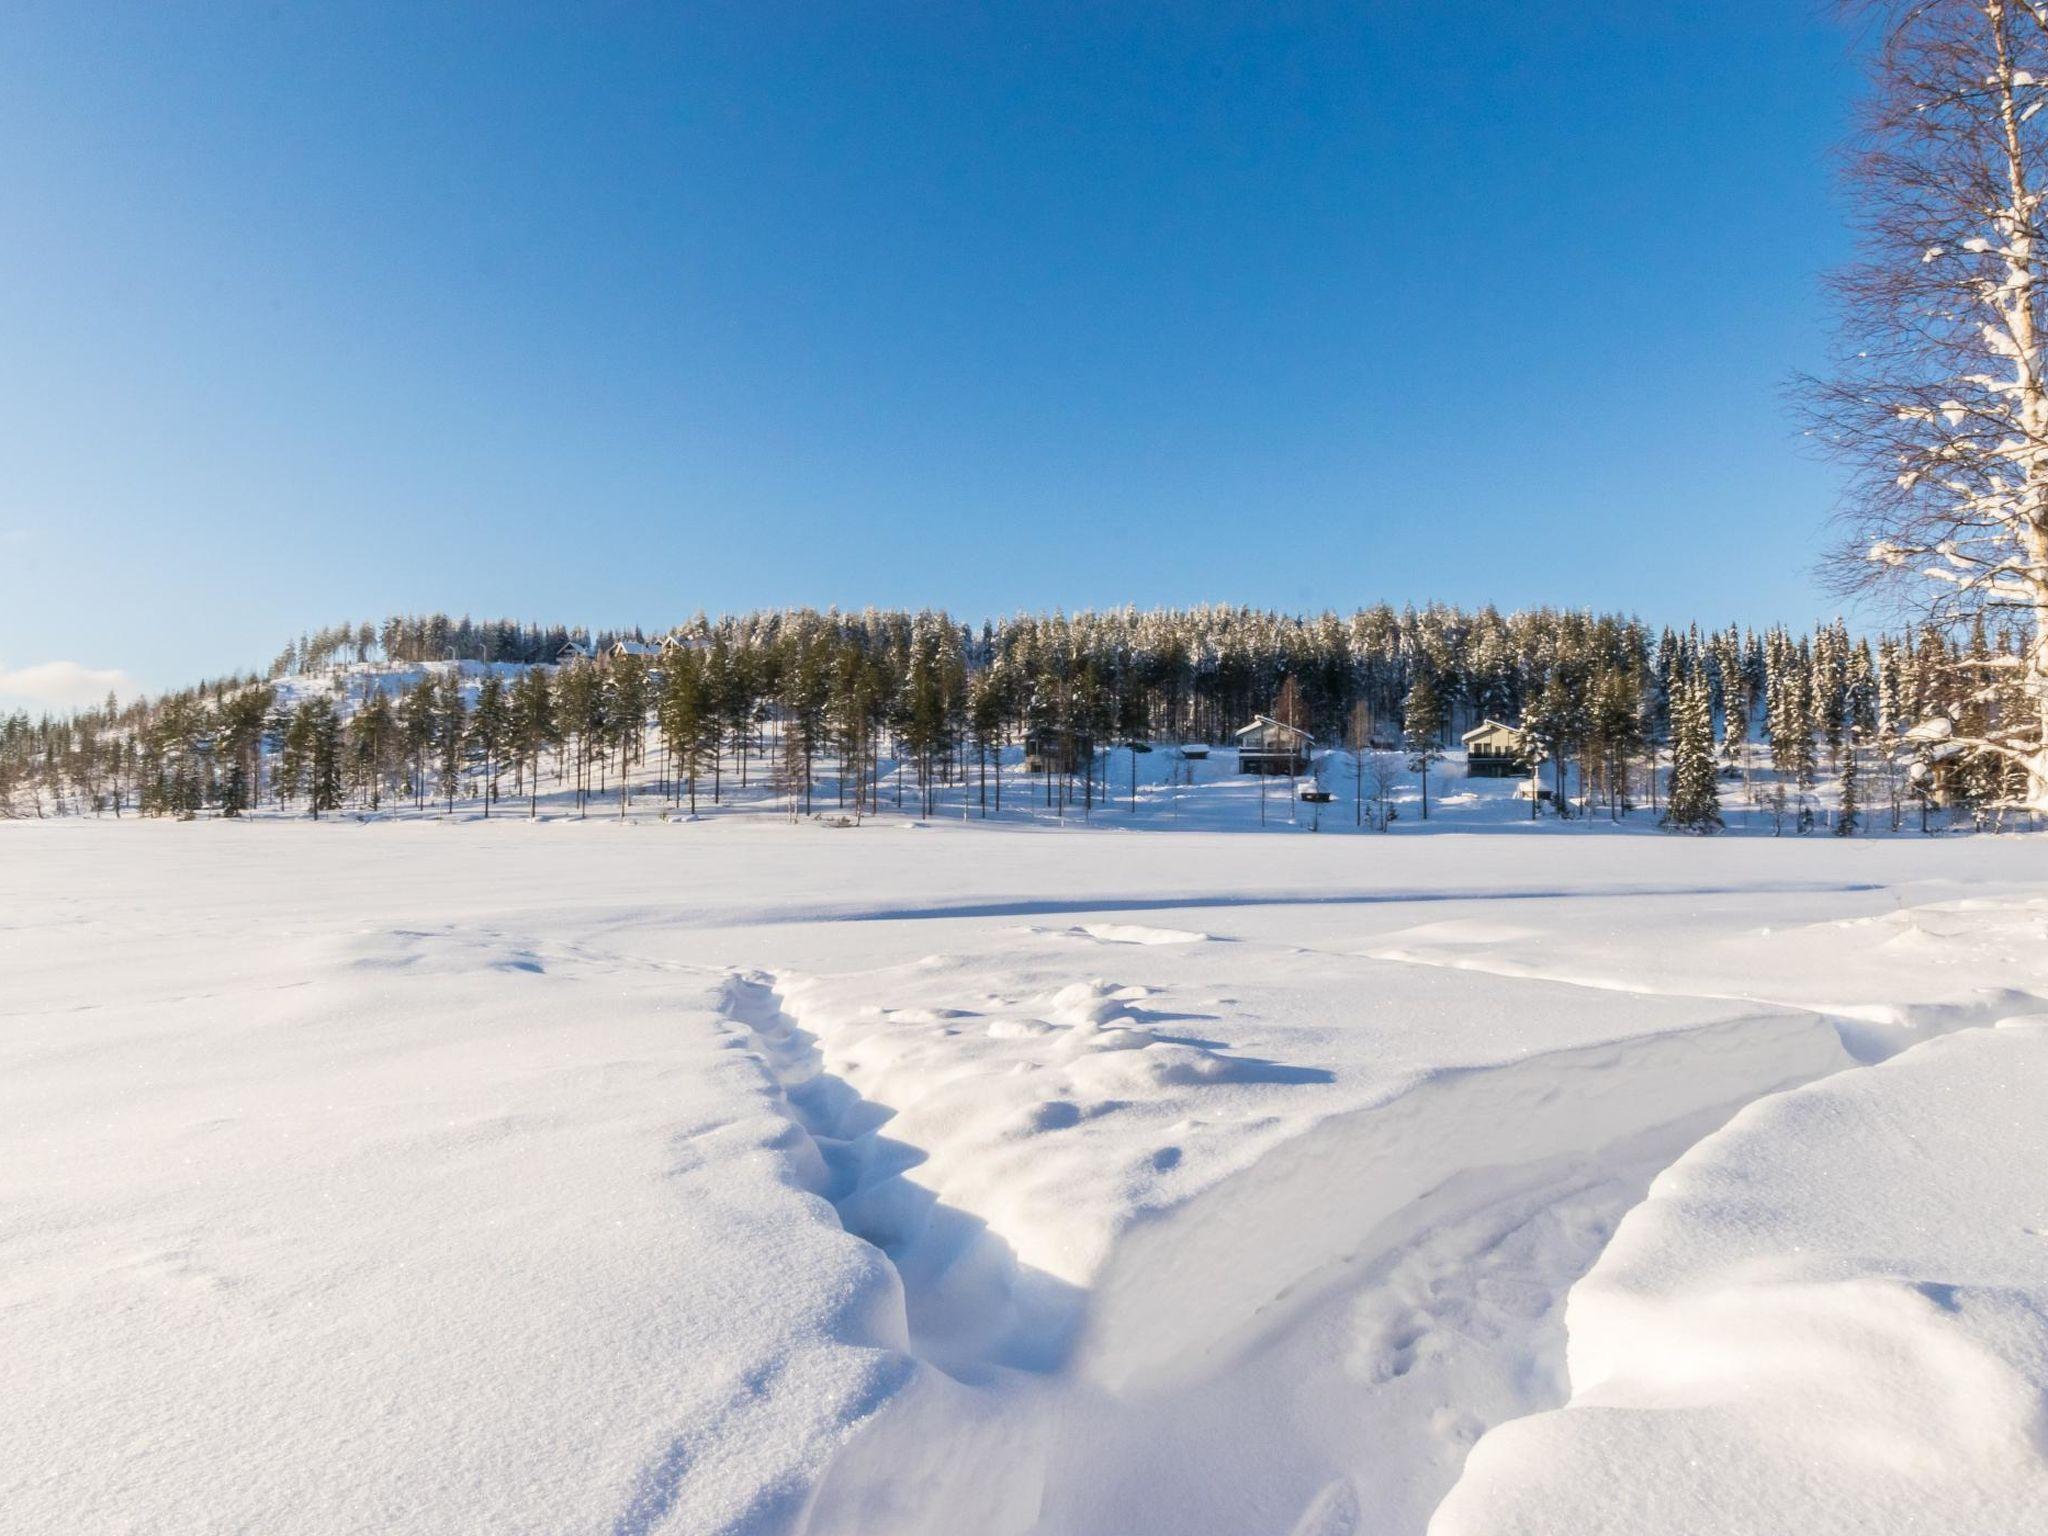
x: 1125, y: 714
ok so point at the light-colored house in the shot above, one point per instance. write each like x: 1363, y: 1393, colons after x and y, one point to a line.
x: 1494, y: 751
x: 1273, y: 746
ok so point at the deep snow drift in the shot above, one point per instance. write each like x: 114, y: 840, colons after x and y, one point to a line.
x: 729, y: 1177
x: 1826, y: 1318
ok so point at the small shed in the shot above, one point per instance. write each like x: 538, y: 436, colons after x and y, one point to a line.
x: 1273, y: 746
x: 1494, y: 751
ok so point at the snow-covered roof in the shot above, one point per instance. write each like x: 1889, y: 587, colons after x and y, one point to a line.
x: 1266, y: 723
x: 634, y: 648
x: 1488, y: 727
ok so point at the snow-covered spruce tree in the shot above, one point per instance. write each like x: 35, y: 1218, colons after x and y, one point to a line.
x: 1558, y: 719
x: 1941, y: 406
x: 1735, y: 698
x: 1786, y: 724
x: 1695, y: 795
x: 1422, y: 720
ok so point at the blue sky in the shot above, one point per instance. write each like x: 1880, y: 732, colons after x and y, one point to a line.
x: 607, y: 313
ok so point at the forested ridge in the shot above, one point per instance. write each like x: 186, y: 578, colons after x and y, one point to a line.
x: 366, y: 715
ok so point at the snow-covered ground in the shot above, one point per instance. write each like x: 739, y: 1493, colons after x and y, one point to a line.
x: 740, y: 1176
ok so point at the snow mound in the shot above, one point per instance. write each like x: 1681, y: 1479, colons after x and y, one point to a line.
x: 1831, y: 1317
x: 1138, y: 933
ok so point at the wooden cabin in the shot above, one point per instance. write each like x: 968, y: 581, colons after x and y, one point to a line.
x: 1494, y: 751
x: 1273, y: 746
x: 572, y: 653
x: 1056, y: 752
x: 638, y: 648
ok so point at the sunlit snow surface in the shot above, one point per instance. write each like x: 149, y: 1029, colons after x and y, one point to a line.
x: 753, y: 1177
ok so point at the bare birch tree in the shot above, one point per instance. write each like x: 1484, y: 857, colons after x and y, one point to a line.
x: 1941, y: 407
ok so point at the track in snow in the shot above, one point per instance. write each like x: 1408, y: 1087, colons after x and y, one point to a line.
x: 970, y: 1306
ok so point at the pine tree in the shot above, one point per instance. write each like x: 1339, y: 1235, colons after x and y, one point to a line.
x: 626, y: 714
x: 1787, y: 723
x: 684, y: 717
x: 1735, y: 701
x: 294, y: 766
x: 371, y: 735
x: 580, y: 701
x: 804, y: 686
x: 1850, y: 819
x: 416, y: 713
x: 1422, y: 720
x: 921, y: 706
x: 1617, y: 734
x: 1695, y: 804
x: 721, y: 691
x: 987, y: 705
x: 489, y: 728
x: 323, y: 785
x: 450, y: 731
x: 241, y: 742
x: 533, y: 730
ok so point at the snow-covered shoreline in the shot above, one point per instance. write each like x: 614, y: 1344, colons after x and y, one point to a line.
x: 575, y: 1177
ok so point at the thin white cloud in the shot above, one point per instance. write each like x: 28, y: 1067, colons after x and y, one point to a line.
x: 63, y: 685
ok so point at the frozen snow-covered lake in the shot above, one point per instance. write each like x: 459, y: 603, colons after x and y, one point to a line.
x: 747, y: 1177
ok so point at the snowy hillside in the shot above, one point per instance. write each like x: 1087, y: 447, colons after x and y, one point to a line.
x: 1049, y: 717
x: 920, y: 1177
x: 1157, y: 785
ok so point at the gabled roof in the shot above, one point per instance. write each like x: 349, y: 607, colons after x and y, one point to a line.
x: 1268, y: 723
x: 1487, y: 728
x: 634, y: 648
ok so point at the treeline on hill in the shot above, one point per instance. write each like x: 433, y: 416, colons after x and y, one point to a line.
x: 414, y: 639
x: 1601, y: 697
